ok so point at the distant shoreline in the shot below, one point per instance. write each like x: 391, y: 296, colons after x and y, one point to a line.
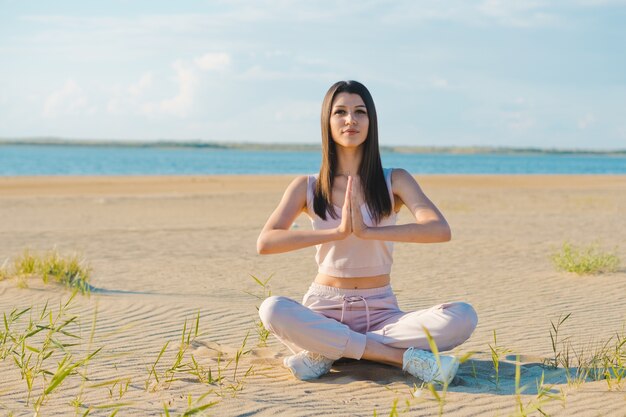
x: 52, y: 141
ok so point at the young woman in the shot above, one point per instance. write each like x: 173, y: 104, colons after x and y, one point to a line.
x: 350, y: 310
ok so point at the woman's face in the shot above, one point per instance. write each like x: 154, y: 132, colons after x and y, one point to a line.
x: 349, y: 121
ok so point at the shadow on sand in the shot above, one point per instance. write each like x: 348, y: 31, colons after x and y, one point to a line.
x: 474, y: 376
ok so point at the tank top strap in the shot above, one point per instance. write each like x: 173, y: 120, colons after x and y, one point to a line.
x: 310, y: 188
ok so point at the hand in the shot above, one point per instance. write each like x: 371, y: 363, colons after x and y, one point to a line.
x: 345, y: 228
x: 358, y: 225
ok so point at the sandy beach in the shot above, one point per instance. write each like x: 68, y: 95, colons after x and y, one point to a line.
x: 164, y: 250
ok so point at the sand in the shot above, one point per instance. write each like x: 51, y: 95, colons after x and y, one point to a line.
x: 163, y: 249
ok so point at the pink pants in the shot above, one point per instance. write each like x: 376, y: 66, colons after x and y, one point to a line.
x: 336, y: 322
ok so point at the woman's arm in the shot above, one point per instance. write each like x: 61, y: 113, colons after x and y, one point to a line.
x: 430, y: 226
x: 277, y: 236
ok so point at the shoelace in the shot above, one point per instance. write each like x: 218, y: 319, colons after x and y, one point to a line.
x: 317, y: 362
x: 349, y: 299
x: 422, y: 361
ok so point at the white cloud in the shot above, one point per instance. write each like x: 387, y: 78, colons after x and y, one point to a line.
x: 144, y: 83
x: 586, y: 121
x: 142, y: 97
x: 125, y: 100
x: 181, y: 104
x: 213, y: 61
x: 114, y: 105
x: 70, y: 99
x: 439, y: 82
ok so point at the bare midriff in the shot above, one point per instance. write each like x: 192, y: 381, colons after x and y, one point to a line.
x: 353, y: 283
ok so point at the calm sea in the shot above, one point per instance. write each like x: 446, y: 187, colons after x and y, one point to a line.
x: 111, y: 160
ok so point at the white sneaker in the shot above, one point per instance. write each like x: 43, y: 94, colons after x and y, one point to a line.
x: 423, y: 365
x: 306, y: 365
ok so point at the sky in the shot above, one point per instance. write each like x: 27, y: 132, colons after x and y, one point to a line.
x: 545, y: 74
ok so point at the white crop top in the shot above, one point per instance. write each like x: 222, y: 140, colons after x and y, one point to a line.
x: 352, y: 256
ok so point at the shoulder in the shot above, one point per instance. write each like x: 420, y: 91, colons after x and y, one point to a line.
x: 296, y: 193
x: 401, y: 177
x: 404, y: 185
x: 300, y: 180
x: 301, y: 187
x: 299, y: 184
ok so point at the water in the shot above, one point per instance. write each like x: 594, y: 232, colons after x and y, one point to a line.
x: 119, y: 160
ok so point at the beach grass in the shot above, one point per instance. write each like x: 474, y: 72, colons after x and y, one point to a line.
x: 266, y: 291
x: 497, y: 352
x: 33, y: 341
x: 224, y: 377
x: 69, y: 271
x: 544, y: 395
x: 46, y: 347
x: 585, y: 260
x: 593, y: 361
x: 601, y: 360
x: 596, y: 361
x: 558, y: 357
x: 193, y: 406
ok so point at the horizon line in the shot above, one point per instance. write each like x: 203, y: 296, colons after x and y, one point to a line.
x: 286, y: 146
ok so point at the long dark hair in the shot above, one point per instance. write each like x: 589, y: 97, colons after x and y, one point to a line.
x: 370, y: 171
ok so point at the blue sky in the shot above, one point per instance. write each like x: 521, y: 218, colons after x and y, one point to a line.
x: 549, y: 74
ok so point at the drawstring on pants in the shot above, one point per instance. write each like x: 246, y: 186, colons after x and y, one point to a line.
x: 349, y: 299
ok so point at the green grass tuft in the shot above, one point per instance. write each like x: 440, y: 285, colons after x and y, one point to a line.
x: 26, y: 264
x: 585, y: 261
x: 69, y: 271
